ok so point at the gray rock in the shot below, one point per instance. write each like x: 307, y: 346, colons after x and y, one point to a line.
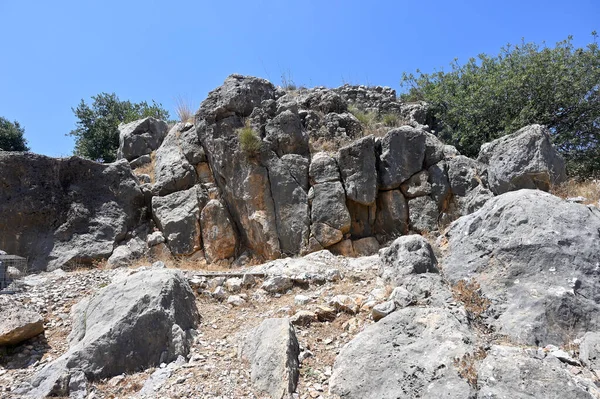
x: 464, y: 174
x: 408, y: 354
x: 325, y: 234
x: 77, y: 385
x: 277, y: 284
x: 439, y: 183
x: 134, y: 323
x: 286, y: 135
x: 417, y: 186
x: 238, y: 95
x: 434, y: 150
x: 357, y: 167
x: 324, y: 100
x: 72, y: 211
x: 178, y: 217
x: 140, y: 137
x: 428, y: 289
x: 535, y: 257
x: 524, y: 159
x: 343, y: 125
x: 402, y: 298
x: 392, y: 215
x: 140, y: 161
x: 291, y: 205
x: 589, y: 350
x: 423, y: 214
x: 362, y: 219
x: 323, y: 168
x: 510, y: 372
x: 126, y: 253
x: 272, y: 350
x: 218, y: 235
x: 297, y: 165
x: 381, y: 310
x: 18, y: 323
x: 366, y: 246
x: 329, y: 206
x: 172, y: 171
x: 402, y: 154
x: 155, y: 238
x: 189, y: 143
x: 406, y: 255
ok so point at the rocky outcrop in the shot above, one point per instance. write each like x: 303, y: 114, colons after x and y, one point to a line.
x: 67, y: 211
x: 524, y: 159
x: 140, y: 137
x: 536, y: 258
x: 272, y: 351
x: 18, y: 323
x: 408, y: 354
x: 220, y: 240
x: 134, y: 323
x: 172, y: 170
x: 406, y: 255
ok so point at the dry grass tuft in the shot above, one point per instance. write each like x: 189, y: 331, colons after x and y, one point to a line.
x: 590, y: 189
x: 147, y: 169
x: 250, y: 141
x: 469, y: 294
x: 184, y: 109
x: 467, y: 365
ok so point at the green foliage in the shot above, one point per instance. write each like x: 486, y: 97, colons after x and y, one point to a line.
x: 97, y: 133
x: 496, y: 95
x: 12, y: 136
x: 250, y: 142
x: 367, y: 119
x: 390, y: 120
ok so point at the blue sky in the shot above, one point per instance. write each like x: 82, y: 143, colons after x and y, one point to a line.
x: 56, y: 53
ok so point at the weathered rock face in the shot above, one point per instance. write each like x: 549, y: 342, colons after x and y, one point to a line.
x: 172, y: 170
x: 134, y: 323
x: 178, y: 216
x: 272, y: 350
x: 243, y: 180
x: 18, y: 323
x: 525, y: 159
x: 220, y: 240
x: 140, y: 137
x: 65, y: 211
x: 402, y: 154
x: 536, y: 258
x: 512, y: 372
x: 406, y: 255
x: 357, y: 167
x: 408, y: 354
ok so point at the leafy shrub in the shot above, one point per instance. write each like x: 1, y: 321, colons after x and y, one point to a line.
x: 12, y: 136
x: 495, y: 95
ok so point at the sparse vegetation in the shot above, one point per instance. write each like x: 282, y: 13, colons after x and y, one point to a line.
x: 467, y: 365
x: 12, y: 136
x: 250, y: 142
x: 184, y: 109
x: 147, y: 169
x: 589, y: 189
x: 390, y: 120
x: 469, y: 294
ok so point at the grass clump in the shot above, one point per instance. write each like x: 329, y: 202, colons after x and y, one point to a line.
x: 250, y: 142
x: 184, y: 110
x: 390, y: 120
x: 589, y: 189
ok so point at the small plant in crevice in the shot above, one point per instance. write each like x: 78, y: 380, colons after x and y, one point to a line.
x: 469, y: 294
x: 250, y: 141
x: 466, y: 365
x: 185, y: 111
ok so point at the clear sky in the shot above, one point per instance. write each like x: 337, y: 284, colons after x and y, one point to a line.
x: 55, y: 53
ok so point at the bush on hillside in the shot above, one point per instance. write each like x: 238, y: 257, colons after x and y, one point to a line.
x: 97, y: 133
x: 12, y: 136
x: 491, y: 96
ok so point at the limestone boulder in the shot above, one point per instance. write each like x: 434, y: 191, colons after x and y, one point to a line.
x: 66, y: 211
x: 18, y: 323
x: 391, y: 219
x: 272, y: 350
x: 402, y: 153
x: 178, y: 217
x: 218, y: 234
x: 408, y: 354
x: 172, y: 170
x: 137, y: 322
x: 407, y: 255
x: 357, y: 164
x: 524, y: 159
x: 140, y: 137
x: 535, y: 257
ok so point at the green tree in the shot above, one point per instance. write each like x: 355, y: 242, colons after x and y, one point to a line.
x: 496, y: 95
x: 97, y: 133
x: 12, y: 136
